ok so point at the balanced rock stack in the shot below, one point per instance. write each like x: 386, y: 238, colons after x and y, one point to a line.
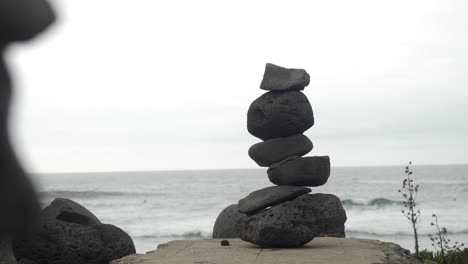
x: 285, y: 215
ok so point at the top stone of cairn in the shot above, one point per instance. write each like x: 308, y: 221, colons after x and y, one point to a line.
x: 277, y: 78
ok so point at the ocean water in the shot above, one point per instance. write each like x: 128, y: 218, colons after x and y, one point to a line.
x: 160, y: 206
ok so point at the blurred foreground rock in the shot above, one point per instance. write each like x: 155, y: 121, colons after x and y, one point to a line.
x: 20, y: 20
x: 320, y: 250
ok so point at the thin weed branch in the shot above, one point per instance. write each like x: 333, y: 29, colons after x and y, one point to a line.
x: 409, y: 191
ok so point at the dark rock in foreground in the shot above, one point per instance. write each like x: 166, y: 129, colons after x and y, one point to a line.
x: 279, y: 114
x: 227, y: 224
x: 69, y: 211
x: 269, y: 196
x: 73, y: 236
x: 295, y: 222
x: 305, y: 171
x: 277, y: 149
x: 277, y: 78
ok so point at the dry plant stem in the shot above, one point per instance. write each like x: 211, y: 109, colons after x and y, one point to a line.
x: 439, y: 235
x: 412, y: 214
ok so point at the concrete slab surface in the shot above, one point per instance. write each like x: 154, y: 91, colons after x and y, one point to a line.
x: 320, y: 250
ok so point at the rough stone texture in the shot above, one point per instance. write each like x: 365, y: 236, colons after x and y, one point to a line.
x: 294, y: 223
x: 321, y: 250
x: 19, y: 20
x: 26, y: 261
x: 69, y: 211
x: 277, y: 149
x: 279, y: 114
x: 269, y: 196
x: 6, y: 253
x: 23, y: 19
x: 227, y: 224
x: 277, y: 78
x: 306, y: 171
x: 73, y: 237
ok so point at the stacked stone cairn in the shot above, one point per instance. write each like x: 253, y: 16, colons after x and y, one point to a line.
x: 285, y: 215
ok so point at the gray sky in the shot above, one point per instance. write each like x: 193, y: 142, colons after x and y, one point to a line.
x: 154, y: 85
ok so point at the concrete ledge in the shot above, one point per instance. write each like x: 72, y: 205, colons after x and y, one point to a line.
x: 320, y: 250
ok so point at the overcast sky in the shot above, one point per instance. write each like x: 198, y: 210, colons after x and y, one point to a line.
x: 156, y: 85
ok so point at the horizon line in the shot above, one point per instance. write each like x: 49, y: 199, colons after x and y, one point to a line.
x: 224, y: 169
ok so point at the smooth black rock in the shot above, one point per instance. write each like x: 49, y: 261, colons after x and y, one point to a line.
x: 227, y: 223
x: 277, y: 149
x: 73, y: 237
x: 69, y: 211
x: 279, y: 114
x: 295, y: 222
x: 269, y: 196
x: 305, y: 171
x: 225, y: 243
x: 23, y: 19
x: 277, y: 78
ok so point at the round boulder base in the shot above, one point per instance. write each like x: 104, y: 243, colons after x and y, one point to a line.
x: 227, y: 224
x: 277, y: 78
x: 277, y: 149
x: 68, y: 233
x: 295, y: 222
x: 279, y: 114
x: 59, y: 242
x: 305, y: 171
x: 269, y: 196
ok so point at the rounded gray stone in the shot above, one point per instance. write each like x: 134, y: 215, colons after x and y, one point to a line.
x: 227, y: 224
x: 269, y: 196
x: 277, y: 149
x: 277, y: 78
x: 279, y: 114
x: 305, y: 171
x: 294, y: 223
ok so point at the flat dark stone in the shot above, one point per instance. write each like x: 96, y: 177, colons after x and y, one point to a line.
x: 269, y: 196
x: 277, y: 149
x: 294, y: 223
x: 305, y: 171
x: 277, y: 78
x: 227, y: 223
x: 279, y: 114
